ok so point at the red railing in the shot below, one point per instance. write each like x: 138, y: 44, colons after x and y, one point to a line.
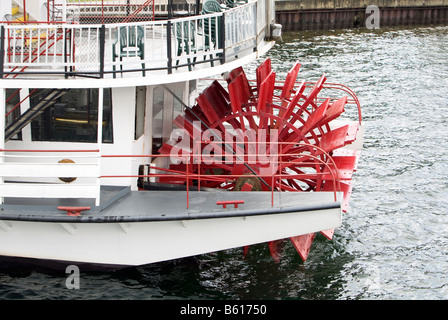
x: 274, y: 178
x: 346, y: 89
x: 45, y: 150
x: 190, y: 177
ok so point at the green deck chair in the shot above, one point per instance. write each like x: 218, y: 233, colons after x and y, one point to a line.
x: 235, y: 3
x: 210, y: 6
x: 129, y: 44
x: 186, y: 41
x: 213, y: 27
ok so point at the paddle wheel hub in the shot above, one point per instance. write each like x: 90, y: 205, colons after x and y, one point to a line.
x: 239, y: 138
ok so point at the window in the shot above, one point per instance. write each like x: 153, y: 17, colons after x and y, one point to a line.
x: 73, y: 117
x: 157, y: 117
x: 140, y: 104
x: 13, y: 110
x: 178, y: 106
x: 167, y: 104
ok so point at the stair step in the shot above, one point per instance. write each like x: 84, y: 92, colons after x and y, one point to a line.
x: 14, y: 9
x: 21, y: 17
x: 17, y: 17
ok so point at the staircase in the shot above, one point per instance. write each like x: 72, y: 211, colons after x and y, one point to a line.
x: 47, y: 99
x: 17, y: 13
x: 28, y: 44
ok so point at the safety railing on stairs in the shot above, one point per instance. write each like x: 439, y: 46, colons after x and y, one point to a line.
x: 31, y: 44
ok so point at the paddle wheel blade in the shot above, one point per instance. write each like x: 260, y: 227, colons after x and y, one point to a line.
x: 276, y: 248
x: 303, y: 244
x: 328, y: 234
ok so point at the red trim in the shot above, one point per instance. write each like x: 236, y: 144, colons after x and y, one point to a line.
x: 39, y: 22
x: 234, y: 202
x: 23, y: 150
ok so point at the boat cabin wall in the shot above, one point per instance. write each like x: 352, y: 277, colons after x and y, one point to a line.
x: 136, y: 122
x: 166, y: 103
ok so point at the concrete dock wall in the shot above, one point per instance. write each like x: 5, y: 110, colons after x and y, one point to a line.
x: 296, y: 15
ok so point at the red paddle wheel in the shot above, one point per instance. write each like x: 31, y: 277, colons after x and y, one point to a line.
x: 236, y: 139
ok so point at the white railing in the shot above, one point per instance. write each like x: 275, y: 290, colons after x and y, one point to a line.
x: 38, y: 45
x: 161, y: 6
x: 108, y: 11
x: 122, y: 8
x: 197, y: 39
x: 241, y: 28
x: 42, y: 174
x: 74, y: 49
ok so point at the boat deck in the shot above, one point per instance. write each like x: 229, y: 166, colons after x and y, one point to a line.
x: 200, y: 44
x: 119, y: 204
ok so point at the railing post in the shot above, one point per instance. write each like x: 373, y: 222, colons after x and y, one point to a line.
x: 188, y: 183
x: 24, y: 11
x: 2, y: 51
x: 168, y: 46
x: 71, y: 46
x: 65, y: 52
x: 64, y: 10
x: 170, y: 9
x: 255, y: 13
x: 102, y: 12
x: 102, y: 40
x: 222, y: 35
x: 197, y: 11
x: 99, y: 140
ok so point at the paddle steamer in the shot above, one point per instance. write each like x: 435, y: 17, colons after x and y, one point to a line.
x: 130, y: 134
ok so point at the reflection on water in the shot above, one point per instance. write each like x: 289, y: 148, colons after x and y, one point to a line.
x: 395, y: 231
x: 392, y: 244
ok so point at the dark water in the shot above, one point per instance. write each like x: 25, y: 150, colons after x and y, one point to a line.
x: 393, y: 242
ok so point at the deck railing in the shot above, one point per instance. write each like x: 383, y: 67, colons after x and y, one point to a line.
x: 39, y: 174
x: 106, y: 50
x: 102, y: 11
x: 43, y: 174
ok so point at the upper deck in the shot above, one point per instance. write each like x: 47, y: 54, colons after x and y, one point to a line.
x: 195, y: 44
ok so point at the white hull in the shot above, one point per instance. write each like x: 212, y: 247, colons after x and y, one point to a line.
x: 138, y: 243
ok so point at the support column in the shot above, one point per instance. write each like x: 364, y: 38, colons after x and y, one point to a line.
x: 2, y: 129
x: 64, y: 10
x: 99, y: 140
